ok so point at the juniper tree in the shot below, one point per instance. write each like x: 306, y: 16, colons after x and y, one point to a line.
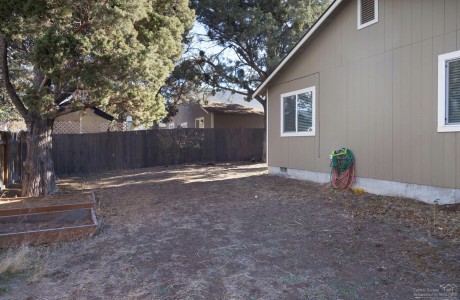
x: 115, y: 54
x: 253, y: 35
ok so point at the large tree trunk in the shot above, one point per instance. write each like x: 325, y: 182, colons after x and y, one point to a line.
x: 39, y: 178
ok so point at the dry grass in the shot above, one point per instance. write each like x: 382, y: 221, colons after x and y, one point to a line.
x: 24, y: 261
x: 15, y: 260
x: 231, y: 231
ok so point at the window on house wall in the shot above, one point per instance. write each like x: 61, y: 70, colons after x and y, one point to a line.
x: 171, y: 125
x: 199, y: 123
x: 368, y: 12
x: 298, y: 113
x: 183, y: 125
x: 449, y: 92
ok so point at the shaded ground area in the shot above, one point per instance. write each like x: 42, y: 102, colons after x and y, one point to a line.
x: 233, y: 232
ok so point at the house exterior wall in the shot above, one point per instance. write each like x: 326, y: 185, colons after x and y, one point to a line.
x: 376, y: 93
x: 191, y: 111
x: 238, y: 121
x: 188, y: 113
x: 80, y: 122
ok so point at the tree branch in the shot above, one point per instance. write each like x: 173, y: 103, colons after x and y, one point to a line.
x: 7, y: 82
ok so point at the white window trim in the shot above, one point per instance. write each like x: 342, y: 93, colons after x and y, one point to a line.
x: 442, y: 59
x: 376, y: 5
x: 313, y: 113
x: 199, y: 119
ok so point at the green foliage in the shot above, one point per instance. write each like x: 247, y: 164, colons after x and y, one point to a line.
x: 177, y: 141
x: 255, y: 35
x: 113, y: 54
x: 7, y: 110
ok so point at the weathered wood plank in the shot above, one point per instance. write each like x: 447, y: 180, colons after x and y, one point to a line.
x: 99, y: 152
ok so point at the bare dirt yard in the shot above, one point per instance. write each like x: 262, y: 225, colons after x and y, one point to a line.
x: 231, y: 231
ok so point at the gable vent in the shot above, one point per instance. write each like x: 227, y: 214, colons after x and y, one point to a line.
x: 367, y: 13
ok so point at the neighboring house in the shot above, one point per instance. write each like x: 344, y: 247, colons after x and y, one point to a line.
x: 216, y: 115
x: 13, y: 126
x: 381, y: 77
x: 90, y: 120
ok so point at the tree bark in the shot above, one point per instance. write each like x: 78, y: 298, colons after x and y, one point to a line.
x: 39, y: 178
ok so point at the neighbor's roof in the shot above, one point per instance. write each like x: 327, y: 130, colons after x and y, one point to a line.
x: 299, y: 45
x: 67, y: 109
x: 231, y: 108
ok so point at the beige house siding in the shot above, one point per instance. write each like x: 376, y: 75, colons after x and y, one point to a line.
x: 80, y: 122
x: 238, y: 121
x: 376, y: 93
x: 188, y: 113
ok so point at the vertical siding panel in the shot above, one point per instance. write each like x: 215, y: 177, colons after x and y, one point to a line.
x: 416, y: 114
x: 284, y: 151
x: 387, y: 99
x: 427, y: 19
x: 348, y: 24
x: 457, y: 163
x: 331, y: 44
x: 341, y: 107
x: 407, y: 113
x: 388, y: 10
x: 379, y: 119
x: 438, y: 17
x: 372, y: 136
x: 376, y: 33
x: 437, y: 139
x: 406, y: 24
x: 328, y: 115
x: 352, y: 110
x: 294, y: 161
x: 428, y: 115
x: 450, y: 44
x: 333, y: 110
x: 380, y: 124
x: 274, y: 140
x: 449, y: 160
x: 458, y: 14
x: 302, y: 151
x: 416, y: 21
x: 450, y: 16
x: 397, y: 115
x: 397, y: 17
x: 362, y: 117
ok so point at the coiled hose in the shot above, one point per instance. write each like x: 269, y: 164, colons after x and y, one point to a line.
x: 343, y: 169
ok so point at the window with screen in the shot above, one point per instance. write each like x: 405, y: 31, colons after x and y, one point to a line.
x: 298, y: 113
x: 449, y: 92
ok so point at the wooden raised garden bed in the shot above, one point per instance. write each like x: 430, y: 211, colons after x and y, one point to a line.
x: 46, y: 219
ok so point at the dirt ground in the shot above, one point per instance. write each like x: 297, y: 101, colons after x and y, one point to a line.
x: 232, y: 231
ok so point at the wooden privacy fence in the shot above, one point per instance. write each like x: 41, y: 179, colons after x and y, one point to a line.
x: 12, y: 154
x: 98, y: 152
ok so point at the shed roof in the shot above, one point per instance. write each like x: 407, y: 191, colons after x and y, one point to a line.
x: 231, y: 108
x: 64, y: 109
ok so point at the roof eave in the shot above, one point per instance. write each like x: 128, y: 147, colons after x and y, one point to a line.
x: 306, y: 37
